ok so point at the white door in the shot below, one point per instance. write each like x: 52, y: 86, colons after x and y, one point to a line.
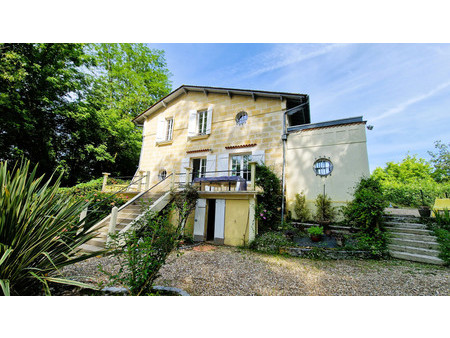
x: 219, y: 221
x: 199, y: 222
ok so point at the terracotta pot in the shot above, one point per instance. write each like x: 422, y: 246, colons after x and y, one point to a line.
x: 316, y: 238
x: 424, y: 211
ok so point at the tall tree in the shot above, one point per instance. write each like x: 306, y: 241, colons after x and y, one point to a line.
x: 70, y: 105
x: 441, y: 161
x: 40, y: 88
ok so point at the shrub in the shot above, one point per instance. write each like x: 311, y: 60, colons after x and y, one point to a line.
x: 270, y: 242
x: 268, y: 208
x: 365, y: 212
x: 442, y: 232
x: 324, y: 210
x: 315, y: 231
x: 40, y: 232
x: 142, y: 251
x: 302, y: 212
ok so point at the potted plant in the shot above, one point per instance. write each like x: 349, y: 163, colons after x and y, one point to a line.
x: 325, y: 213
x: 424, y: 210
x: 315, y: 233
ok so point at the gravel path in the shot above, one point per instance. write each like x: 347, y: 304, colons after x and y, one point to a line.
x: 226, y: 271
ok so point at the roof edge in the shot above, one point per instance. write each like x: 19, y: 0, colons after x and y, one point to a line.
x: 331, y: 123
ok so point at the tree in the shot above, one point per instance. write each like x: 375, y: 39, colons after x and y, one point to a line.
x: 41, y: 86
x: 441, y: 161
x: 410, y: 169
x: 70, y: 106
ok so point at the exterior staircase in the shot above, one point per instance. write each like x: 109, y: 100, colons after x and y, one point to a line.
x: 411, y: 240
x: 154, y: 199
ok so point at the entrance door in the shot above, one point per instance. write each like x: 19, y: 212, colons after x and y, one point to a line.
x: 211, y: 220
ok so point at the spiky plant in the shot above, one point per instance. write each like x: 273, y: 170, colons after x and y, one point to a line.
x: 40, y: 231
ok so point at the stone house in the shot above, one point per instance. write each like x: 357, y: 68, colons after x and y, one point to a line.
x: 212, y: 135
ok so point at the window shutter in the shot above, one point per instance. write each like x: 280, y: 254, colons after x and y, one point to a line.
x: 210, y: 165
x: 161, y: 128
x: 219, y: 221
x: 222, y: 165
x: 184, y: 164
x: 209, y: 121
x: 192, y: 123
x: 258, y: 156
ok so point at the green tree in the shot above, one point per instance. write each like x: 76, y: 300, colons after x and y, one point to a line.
x: 410, y: 169
x: 441, y: 161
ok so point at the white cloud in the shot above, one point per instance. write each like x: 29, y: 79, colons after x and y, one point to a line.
x: 403, y: 105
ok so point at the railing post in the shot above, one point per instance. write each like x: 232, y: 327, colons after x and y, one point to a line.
x: 188, y: 175
x: 252, y: 173
x: 141, y: 175
x: 112, y: 223
x: 147, y: 180
x: 105, y: 181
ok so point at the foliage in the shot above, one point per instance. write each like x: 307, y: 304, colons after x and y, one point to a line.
x: 69, y: 106
x: 301, y: 210
x: 270, y: 242
x: 91, y: 192
x: 40, y: 232
x: 324, y: 210
x: 408, y: 194
x: 269, y: 201
x: 142, y: 251
x: 441, y: 162
x: 441, y: 230
x: 315, y: 231
x: 365, y: 212
x: 184, y: 203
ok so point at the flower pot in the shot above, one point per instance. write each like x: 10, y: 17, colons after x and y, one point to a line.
x: 424, y: 211
x: 316, y: 238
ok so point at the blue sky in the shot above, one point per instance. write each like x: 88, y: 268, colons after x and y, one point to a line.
x: 403, y: 90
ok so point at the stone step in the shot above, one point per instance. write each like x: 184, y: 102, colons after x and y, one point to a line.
x: 98, y: 242
x: 414, y: 237
x: 415, y: 231
x: 406, y: 225
x: 414, y: 250
x: 432, y: 244
x: 90, y: 248
x: 416, y: 257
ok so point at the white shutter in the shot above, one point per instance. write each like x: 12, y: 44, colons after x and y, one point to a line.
x: 258, y: 156
x: 192, y: 128
x: 209, y: 121
x: 222, y: 165
x: 210, y: 165
x: 184, y: 164
x: 199, y: 221
x: 161, y: 128
x: 219, y: 221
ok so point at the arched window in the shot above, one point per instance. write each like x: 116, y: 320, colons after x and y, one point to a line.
x: 323, y: 167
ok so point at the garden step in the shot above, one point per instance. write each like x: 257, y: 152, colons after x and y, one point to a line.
x: 90, y: 248
x: 416, y: 257
x: 413, y: 237
x: 406, y: 225
x: 410, y: 231
x: 431, y: 244
x: 99, y: 242
x: 413, y: 250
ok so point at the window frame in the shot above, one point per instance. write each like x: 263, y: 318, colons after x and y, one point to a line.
x: 323, y: 170
x: 202, y: 167
x: 244, y: 168
x: 169, y: 129
x: 202, y: 121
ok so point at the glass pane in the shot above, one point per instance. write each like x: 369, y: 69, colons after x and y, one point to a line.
x: 202, y: 167
x: 236, y: 165
x: 246, y: 168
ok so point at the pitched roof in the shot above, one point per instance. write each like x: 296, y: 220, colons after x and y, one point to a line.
x: 184, y: 89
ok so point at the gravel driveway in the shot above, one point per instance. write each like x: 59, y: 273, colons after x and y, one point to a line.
x: 225, y: 271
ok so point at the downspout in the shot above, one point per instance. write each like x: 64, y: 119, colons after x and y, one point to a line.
x: 283, y: 180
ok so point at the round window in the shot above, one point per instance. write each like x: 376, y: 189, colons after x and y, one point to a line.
x: 241, y: 118
x: 162, y: 175
x: 323, y: 167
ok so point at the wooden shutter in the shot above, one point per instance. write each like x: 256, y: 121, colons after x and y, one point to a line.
x: 184, y: 164
x: 199, y: 221
x: 192, y: 128
x: 219, y: 221
x: 210, y: 165
x: 161, y: 128
x: 209, y: 121
x: 222, y: 164
x: 258, y: 156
